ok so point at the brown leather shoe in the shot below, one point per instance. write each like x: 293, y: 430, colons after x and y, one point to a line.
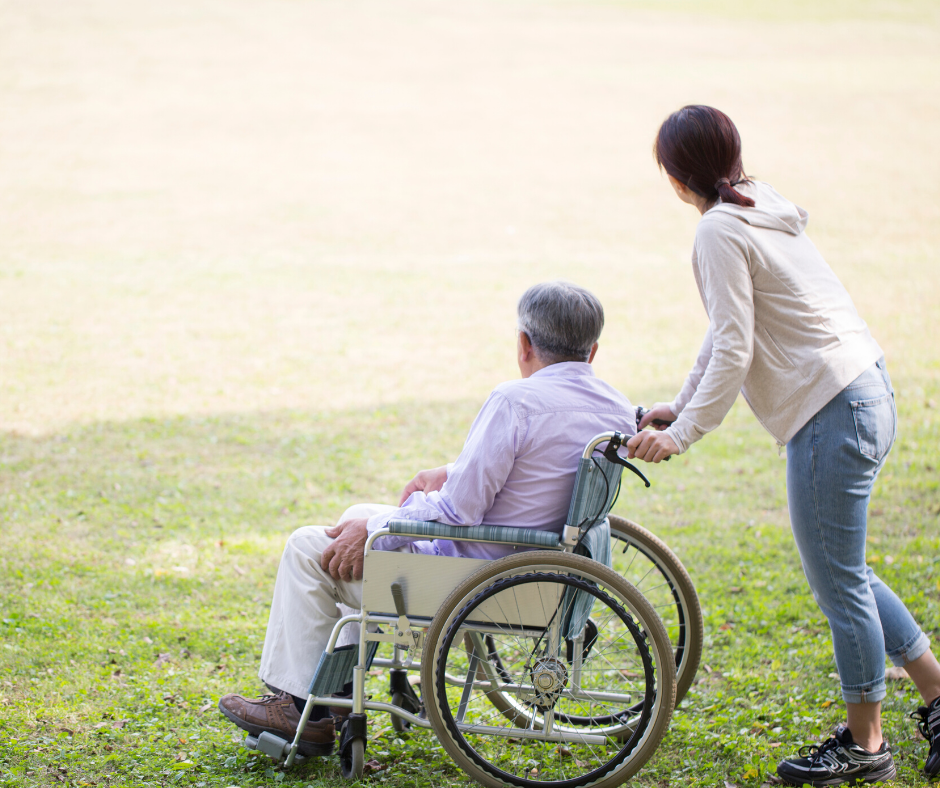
x: 277, y: 714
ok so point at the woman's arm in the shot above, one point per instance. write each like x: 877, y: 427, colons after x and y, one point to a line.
x: 728, y: 292
x: 652, y: 448
x: 694, y: 377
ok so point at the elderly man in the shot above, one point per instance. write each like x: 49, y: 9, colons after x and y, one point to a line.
x: 517, y: 468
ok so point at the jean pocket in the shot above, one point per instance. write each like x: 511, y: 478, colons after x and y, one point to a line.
x: 875, y: 423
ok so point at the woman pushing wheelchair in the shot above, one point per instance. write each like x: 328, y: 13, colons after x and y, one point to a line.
x: 785, y: 333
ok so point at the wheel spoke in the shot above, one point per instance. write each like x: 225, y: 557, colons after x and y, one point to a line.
x: 561, y: 751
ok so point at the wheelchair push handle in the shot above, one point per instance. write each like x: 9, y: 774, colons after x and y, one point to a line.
x: 641, y: 412
x: 613, y: 440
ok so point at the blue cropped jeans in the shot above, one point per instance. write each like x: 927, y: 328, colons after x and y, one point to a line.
x: 832, y: 463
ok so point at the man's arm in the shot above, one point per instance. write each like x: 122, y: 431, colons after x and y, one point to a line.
x: 473, y: 480
x: 427, y: 481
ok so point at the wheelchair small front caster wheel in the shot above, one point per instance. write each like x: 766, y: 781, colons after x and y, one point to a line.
x: 352, y: 746
x: 404, y: 697
x: 399, y: 725
x: 352, y: 759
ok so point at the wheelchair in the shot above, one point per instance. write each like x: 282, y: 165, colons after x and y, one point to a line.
x: 547, y: 667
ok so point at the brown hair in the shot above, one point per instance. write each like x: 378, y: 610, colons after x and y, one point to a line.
x: 700, y: 147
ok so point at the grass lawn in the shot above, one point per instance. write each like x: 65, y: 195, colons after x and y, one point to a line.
x: 259, y: 262
x: 139, y: 560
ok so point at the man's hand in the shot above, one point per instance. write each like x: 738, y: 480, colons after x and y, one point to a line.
x: 651, y: 446
x: 660, y: 412
x: 343, y: 558
x: 425, y: 481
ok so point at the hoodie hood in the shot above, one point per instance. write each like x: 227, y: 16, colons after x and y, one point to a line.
x: 770, y: 210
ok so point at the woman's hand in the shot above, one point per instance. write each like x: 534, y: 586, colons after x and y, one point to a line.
x: 660, y: 413
x: 651, y: 446
x: 425, y: 481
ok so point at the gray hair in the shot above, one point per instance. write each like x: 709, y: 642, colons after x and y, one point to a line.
x: 562, y: 320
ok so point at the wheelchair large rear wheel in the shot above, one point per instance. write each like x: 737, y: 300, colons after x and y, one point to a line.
x: 645, y: 562
x: 587, y: 717
x: 656, y: 572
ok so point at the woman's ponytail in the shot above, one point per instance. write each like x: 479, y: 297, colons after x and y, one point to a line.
x: 700, y: 147
x: 725, y: 189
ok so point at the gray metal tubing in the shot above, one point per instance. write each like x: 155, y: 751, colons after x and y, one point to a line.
x: 495, y: 629
x: 528, y: 733
x: 390, y: 663
x: 486, y: 730
x: 369, y: 619
x: 373, y: 705
x: 304, y: 719
x: 338, y: 627
x: 596, y: 441
x: 359, y: 672
x: 422, y: 622
x: 527, y: 689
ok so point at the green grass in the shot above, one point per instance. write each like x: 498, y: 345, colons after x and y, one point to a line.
x: 238, y: 237
x: 139, y: 558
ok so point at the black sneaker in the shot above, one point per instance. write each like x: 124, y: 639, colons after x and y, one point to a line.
x: 928, y: 720
x: 837, y: 761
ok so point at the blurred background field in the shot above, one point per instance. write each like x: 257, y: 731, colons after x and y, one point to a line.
x: 259, y: 261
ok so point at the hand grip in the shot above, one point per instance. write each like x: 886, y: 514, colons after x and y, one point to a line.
x: 399, y: 597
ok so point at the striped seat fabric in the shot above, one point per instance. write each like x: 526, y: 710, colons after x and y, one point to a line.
x: 335, y: 671
x: 499, y: 534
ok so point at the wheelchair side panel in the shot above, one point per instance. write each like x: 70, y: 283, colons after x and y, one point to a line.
x: 426, y: 580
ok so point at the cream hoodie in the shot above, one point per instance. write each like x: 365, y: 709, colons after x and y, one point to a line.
x: 782, y: 329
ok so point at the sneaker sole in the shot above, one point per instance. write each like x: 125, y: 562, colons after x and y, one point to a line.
x: 888, y: 773
x: 307, y: 748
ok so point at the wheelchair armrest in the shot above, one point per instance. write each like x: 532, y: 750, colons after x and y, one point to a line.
x: 492, y: 534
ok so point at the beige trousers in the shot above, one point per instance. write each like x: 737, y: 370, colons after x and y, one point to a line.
x: 307, y: 604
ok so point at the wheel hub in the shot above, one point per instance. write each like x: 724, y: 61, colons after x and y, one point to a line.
x: 549, y: 678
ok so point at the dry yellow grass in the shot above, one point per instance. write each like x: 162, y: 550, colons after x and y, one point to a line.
x: 213, y: 206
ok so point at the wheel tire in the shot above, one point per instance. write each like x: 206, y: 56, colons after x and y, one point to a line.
x: 352, y: 762
x: 560, y: 568
x: 687, y: 633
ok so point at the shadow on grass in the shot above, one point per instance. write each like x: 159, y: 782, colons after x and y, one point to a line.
x: 139, y: 558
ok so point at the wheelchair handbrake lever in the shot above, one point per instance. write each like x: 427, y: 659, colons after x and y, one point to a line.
x: 610, y: 454
x: 399, y: 598
x: 405, y: 636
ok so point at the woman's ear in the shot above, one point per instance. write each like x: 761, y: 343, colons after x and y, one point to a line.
x: 680, y: 188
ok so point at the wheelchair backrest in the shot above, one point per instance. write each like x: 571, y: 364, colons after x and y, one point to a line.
x: 595, y: 490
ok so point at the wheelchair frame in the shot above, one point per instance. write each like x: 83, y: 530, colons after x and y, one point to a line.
x: 390, y: 583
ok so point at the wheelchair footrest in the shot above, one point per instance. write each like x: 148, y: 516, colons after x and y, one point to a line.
x: 273, y: 746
